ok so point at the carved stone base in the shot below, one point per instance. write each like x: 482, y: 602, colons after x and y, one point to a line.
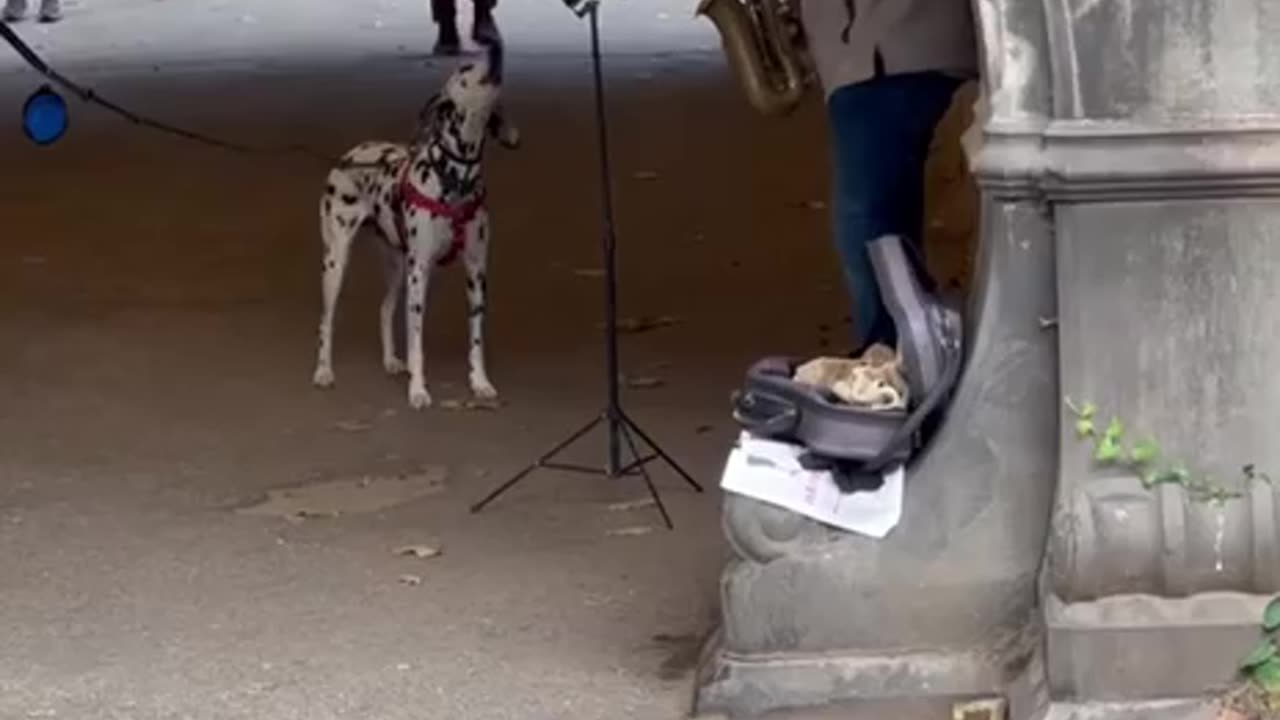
x: 1155, y: 710
x: 745, y: 686
x: 1138, y: 648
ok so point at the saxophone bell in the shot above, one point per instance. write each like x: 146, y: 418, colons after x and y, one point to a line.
x: 770, y: 65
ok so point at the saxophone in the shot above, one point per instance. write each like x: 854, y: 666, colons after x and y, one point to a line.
x: 768, y: 61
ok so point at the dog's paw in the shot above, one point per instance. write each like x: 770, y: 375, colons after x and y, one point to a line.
x: 510, y: 138
x: 394, y: 366
x: 323, y: 378
x: 419, y: 398
x: 484, y: 390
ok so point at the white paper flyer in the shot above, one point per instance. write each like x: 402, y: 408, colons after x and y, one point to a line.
x: 770, y: 472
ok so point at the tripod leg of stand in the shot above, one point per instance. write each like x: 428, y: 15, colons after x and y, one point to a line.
x: 631, y: 424
x: 536, y: 464
x: 644, y: 473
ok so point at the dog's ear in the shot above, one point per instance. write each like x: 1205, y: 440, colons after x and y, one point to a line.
x: 438, y: 105
x: 504, y: 132
x: 425, y: 114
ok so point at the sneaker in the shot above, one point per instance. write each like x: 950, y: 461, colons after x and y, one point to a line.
x: 51, y: 11
x: 448, y: 42
x: 14, y: 10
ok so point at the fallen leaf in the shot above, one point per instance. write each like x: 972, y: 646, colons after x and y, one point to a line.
x: 703, y: 429
x: 642, y: 324
x: 470, y: 404
x: 352, y: 426
x: 410, y: 580
x: 628, y: 505
x: 423, y: 552
x: 304, y: 514
x: 642, y: 383
x: 645, y: 175
x: 631, y: 531
x: 589, y: 272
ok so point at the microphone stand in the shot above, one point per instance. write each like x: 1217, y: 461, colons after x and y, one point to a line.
x: 621, y: 429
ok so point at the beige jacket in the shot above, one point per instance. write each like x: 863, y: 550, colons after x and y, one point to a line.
x: 908, y: 35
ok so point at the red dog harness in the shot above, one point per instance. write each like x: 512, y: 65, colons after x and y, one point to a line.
x: 459, y: 215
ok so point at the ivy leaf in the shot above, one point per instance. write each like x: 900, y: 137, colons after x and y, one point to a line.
x: 1271, y: 616
x: 1267, y: 675
x: 1264, y: 653
x: 1144, y: 452
x: 1084, y: 428
x: 1088, y: 411
x: 1115, y: 430
x: 1108, y: 450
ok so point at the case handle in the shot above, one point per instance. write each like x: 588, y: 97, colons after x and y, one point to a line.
x: 779, y: 423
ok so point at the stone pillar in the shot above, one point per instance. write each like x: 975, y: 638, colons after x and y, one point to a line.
x: 945, y: 607
x: 1163, y: 171
x: 1128, y: 153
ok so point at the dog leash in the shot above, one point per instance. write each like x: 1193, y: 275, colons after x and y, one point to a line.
x: 88, y: 95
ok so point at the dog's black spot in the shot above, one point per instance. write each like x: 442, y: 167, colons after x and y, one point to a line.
x: 329, y: 189
x: 328, y: 206
x: 416, y: 308
x: 477, y: 310
x: 475, y: 342
x: 471, y: 285
x: 349, y: 199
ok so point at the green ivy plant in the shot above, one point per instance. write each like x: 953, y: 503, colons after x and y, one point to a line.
x: 1260, y: 696
x: 1148, y: 461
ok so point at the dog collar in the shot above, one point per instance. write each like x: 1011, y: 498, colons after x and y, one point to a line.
x: 459, y: 214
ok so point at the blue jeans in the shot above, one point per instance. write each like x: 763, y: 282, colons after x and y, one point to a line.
x: 881, y: 130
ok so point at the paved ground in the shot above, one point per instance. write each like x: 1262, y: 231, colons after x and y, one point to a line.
x: 157, y: 310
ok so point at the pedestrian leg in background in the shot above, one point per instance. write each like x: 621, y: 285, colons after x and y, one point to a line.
x: 445, y: 15
x: 14, y: 10
x: 881, y: 130
x: 483, y: 29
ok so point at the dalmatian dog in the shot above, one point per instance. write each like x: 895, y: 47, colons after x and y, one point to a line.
x: 426, y: 200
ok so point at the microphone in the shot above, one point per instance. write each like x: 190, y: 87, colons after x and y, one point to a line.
x: 581, y: 7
